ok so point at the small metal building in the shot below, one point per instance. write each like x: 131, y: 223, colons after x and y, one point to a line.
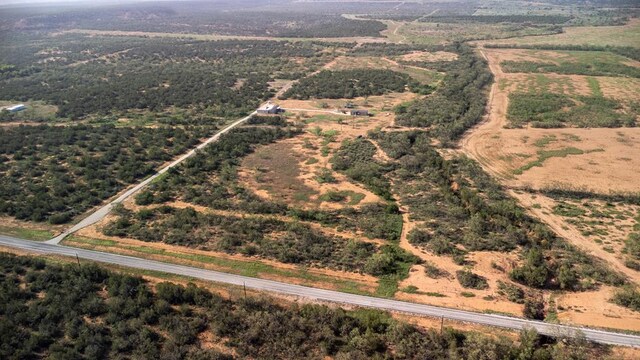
x: 269, y: 109
x: 16, y: 108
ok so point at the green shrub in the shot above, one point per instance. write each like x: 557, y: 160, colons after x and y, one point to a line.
x: 534, y: 272
x: 512, y: 292
x: 628, y: 297
x: 534, y: 308
x: 471, y: 281
x: 433, y: 271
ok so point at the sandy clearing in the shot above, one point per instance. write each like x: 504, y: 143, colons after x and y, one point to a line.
x: 501, y: 151
x: 285, y: 174
x: 620, y: 88
x: 429, y: 56
x: 592, y: 308
x: 449, y: 285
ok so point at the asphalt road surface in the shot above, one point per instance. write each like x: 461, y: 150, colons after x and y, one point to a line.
x: 104, y: 211
x: 599, y: 336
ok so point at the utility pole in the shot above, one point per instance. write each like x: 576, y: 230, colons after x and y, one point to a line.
x: 245, y: 290
x: 441, y: 324
x: 77, y: 258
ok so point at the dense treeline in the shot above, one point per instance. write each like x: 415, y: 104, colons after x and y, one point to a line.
x: 229, y: 77
x: 204, y: 19
x: 54, y: 311
x: 547, y: 110
x: 459, y: 102
x: 569, y: 193
x: 348, y: 84
x: 67, y: 49
x: 628, y: 51
x: 56, y: 172
x: 463, y: 209
x: 492, y: 19
x: 593, y: 68
x: 291, y: 243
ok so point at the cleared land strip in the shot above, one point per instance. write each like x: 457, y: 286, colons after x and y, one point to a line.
x: 599, y: 336
x: 214, y: 37
x: 104, y: 211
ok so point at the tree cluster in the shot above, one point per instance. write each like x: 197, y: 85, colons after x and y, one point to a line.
x: 53, y: 173
x: 464, y: 209
x: 205, y: 19
x: 348, y: 84
x: 459, y: 102
x: 54, y: 311
x: 232, y: 77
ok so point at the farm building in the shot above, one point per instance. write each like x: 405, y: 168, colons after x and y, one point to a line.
x: 359, y: 112
x: 16, y: 108
x: 270, y: 109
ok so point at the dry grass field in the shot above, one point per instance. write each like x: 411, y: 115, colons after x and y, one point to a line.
x: 585, y: 35
x: 600, y: 160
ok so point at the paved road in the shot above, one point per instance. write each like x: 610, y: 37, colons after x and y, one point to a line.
x: 604, y: 337
x: 104, y: 211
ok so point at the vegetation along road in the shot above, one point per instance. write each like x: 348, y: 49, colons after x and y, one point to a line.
x: 599, y: 336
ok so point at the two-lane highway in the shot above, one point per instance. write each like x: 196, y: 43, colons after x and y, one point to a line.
x: 604, y: 337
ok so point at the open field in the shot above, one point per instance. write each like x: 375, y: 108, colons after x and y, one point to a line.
x: 626, y: 35
x: 425, y: 76
x: 216, y: 37
x: 595, y: 63
x: 434, y: 33
x: 287, y: 171
x: 36, y: 111
x: 600, y: 160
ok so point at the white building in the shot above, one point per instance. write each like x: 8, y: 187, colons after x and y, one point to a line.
x: 16, y: 108
x: 269, y: 108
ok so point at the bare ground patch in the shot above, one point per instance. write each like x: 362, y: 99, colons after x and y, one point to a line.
x: 429, y: 56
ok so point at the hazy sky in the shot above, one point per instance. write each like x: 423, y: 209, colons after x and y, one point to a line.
x: 12, y: 2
